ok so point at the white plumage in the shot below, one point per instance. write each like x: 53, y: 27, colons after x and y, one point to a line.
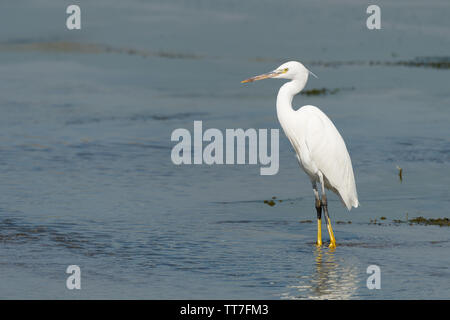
x: 320, y: 147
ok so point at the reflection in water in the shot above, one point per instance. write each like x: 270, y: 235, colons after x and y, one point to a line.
x: 329, y: 279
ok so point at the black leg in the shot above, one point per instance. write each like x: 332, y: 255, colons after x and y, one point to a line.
x: 319, y: 222
x: 318, y: 209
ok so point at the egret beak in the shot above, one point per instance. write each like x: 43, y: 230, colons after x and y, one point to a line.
x: 268, y: 75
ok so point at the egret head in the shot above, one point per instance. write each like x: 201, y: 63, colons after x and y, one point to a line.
x: 291, y: 70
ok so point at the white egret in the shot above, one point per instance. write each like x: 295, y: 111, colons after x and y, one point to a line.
x: 320, y: 149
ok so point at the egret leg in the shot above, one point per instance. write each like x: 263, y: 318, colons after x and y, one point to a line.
x: 328, y: 221
x: 319, y: 215
x: 324, y: 204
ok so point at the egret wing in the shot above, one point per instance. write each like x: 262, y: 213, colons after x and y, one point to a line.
x: 327, y: 150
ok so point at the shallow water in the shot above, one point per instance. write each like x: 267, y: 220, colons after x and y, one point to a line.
x: 87, y: 179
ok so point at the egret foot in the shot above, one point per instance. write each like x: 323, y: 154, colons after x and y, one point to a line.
x: 330, y: 232
x: 324, y: 204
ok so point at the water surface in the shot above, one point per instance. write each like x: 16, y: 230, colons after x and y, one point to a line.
x: 85, y: 169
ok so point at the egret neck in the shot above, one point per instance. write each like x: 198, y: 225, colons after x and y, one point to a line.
x: 285, y: 96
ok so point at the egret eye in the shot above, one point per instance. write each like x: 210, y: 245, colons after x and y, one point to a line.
x: 285, y: 70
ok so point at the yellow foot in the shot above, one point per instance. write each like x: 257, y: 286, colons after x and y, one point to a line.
x: 330, y: 232
x: 318, y: 244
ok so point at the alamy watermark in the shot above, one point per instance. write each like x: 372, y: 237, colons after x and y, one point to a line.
x: 74, y: 280
x: 240, y: 147
x: 374, y: 280
x: 73, y: 22
x: 373, y: 22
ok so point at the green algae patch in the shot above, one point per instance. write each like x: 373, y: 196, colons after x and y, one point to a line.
x: 375, y: 222
x: 439, y: 62
x: 442, y: 222
x: 272, y: 202
x: 89, y: 48
x: 320, y: 92
x: 269, y: 202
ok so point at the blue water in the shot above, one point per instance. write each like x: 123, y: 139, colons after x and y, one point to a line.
x: 86, y: 176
